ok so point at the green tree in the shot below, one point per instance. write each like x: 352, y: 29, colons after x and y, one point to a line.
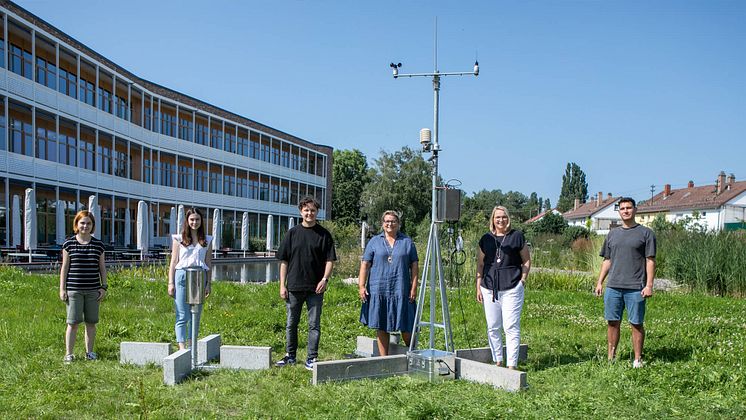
x: 400, y: 181
x: 550, y: 223
x: 574, y: 186
x: 547, y: 204
x: 349, y: 178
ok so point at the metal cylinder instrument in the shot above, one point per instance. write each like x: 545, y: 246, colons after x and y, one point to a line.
x: 196, y: 278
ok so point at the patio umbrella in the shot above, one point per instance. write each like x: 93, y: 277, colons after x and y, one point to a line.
x: 15, y: 221
x: 93, y: 208
x: 363, y: 234
x: 270, y: 233
x: 127, y: 226
x: 216, y: 231
x: 245, y: 232
x: 143, y: 234
x: 60, y: 222
x: 29, y: 221
x: 291, y: 223
x: 180, y: 219
x: 172, y: 221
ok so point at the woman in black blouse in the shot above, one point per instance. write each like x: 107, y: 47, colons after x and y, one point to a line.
x: 503, y: 263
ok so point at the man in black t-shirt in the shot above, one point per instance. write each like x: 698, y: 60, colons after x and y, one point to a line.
x: 306, y: 257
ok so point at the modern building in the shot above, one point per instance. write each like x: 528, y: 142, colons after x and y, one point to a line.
x: 74, y: 124
x: 719, y: 206
x: 599, y: 215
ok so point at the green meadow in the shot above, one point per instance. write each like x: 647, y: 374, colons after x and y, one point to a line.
x: 694, y: 354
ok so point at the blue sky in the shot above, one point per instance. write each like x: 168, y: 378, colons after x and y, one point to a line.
x: 635, y: 92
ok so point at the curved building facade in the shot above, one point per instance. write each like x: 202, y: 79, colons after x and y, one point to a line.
x: 74, y: 125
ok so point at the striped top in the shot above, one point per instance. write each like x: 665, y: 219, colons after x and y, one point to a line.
x: 83, y: 273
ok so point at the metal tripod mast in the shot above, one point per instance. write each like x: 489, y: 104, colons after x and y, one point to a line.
x: 433, y: 266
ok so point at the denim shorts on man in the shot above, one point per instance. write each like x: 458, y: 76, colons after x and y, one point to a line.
x: 82, y: 306
x: 616, y: 300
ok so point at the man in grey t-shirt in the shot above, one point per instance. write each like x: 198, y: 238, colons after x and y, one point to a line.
x: 629, y: 263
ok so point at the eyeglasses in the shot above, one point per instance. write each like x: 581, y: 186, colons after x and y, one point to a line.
x: 390, y: 222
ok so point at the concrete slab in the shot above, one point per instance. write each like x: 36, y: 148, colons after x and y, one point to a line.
x: 142, y: 353
x: 177, y: 366
x: 484, y: 354
x: 483, y: 373
x: 208, y: 348
x: 374, y: 367
x: 368, y: 347
x: 245, y: 357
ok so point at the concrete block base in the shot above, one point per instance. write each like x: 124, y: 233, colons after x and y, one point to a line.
x: 498, y: 377
x: 245, y: 357
x: 484, y: 354
x: 208, y: 348
x: 141, y: 354
x: 177, y: 366
x: 343, y: 370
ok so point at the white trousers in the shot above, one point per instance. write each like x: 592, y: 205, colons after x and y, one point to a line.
x: 504, y: 313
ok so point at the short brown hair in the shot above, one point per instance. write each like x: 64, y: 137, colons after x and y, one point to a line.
x: 308, y: 200
x: 81, y: 214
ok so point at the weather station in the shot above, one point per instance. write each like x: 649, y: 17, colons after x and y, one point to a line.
x: 432, y: 362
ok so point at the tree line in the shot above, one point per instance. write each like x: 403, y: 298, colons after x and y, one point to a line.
x: 402, y: 181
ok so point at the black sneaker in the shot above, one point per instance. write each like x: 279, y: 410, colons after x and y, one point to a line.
x: 287, y: 360
x: 310, y: 363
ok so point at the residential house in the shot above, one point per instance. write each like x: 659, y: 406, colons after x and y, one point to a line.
x: 541, y: 215
x: 716, y: 207
x: 597, y: 215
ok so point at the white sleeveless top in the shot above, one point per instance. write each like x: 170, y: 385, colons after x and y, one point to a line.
x: 192, y: 255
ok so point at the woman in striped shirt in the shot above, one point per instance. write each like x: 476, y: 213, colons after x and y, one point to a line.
x: 82, y: 283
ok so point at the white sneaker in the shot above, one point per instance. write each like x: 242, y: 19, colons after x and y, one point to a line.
x: 637, y: 363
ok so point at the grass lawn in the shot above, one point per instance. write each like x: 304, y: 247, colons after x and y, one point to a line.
x: 694, y: 353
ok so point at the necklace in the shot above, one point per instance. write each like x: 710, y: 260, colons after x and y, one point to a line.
x: 499, y: 252
x: 390, y: 250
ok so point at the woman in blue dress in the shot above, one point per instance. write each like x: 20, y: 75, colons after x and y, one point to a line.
x: 389, y: 267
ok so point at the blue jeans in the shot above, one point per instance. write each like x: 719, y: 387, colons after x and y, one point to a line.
x: 294, y: 305
x: 183, y: 311
x: 616, y: 300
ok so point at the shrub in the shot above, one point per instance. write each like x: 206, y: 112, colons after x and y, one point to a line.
x: 572, y: 233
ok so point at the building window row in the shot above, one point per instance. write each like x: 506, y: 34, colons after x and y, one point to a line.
x: 67, y: 72
x: 57, y: 139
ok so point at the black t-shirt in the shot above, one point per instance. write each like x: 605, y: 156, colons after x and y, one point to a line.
x: 306, y: 251
x: 506, y: 274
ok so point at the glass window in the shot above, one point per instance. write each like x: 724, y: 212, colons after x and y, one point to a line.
x: 216, y: 138
x: 87, y: 151
x: 21, y: 130
x: 20, y: 62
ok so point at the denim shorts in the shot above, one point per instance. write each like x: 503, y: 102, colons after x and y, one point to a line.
x: 616, y: 300
x: 82, y: 306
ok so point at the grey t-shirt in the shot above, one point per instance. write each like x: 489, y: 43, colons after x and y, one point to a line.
x: 627, y: 249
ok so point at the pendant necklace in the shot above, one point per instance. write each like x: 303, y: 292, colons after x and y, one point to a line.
x: 499, y: 251
x: 390, y: 258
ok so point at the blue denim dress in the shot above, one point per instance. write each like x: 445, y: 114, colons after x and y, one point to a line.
x: 388, y: 307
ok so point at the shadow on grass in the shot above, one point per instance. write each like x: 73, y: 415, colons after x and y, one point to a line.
x: 549, y: 360
x: 669, y: 354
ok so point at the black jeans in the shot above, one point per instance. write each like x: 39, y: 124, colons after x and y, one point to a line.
x: 294, y: 305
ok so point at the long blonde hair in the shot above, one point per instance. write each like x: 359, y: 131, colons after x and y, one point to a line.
x: 492, y: 218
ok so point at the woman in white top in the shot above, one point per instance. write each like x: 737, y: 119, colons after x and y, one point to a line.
x: 190, y: 249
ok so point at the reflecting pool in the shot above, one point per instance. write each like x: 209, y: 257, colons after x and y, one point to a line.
x: 246, y: 272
